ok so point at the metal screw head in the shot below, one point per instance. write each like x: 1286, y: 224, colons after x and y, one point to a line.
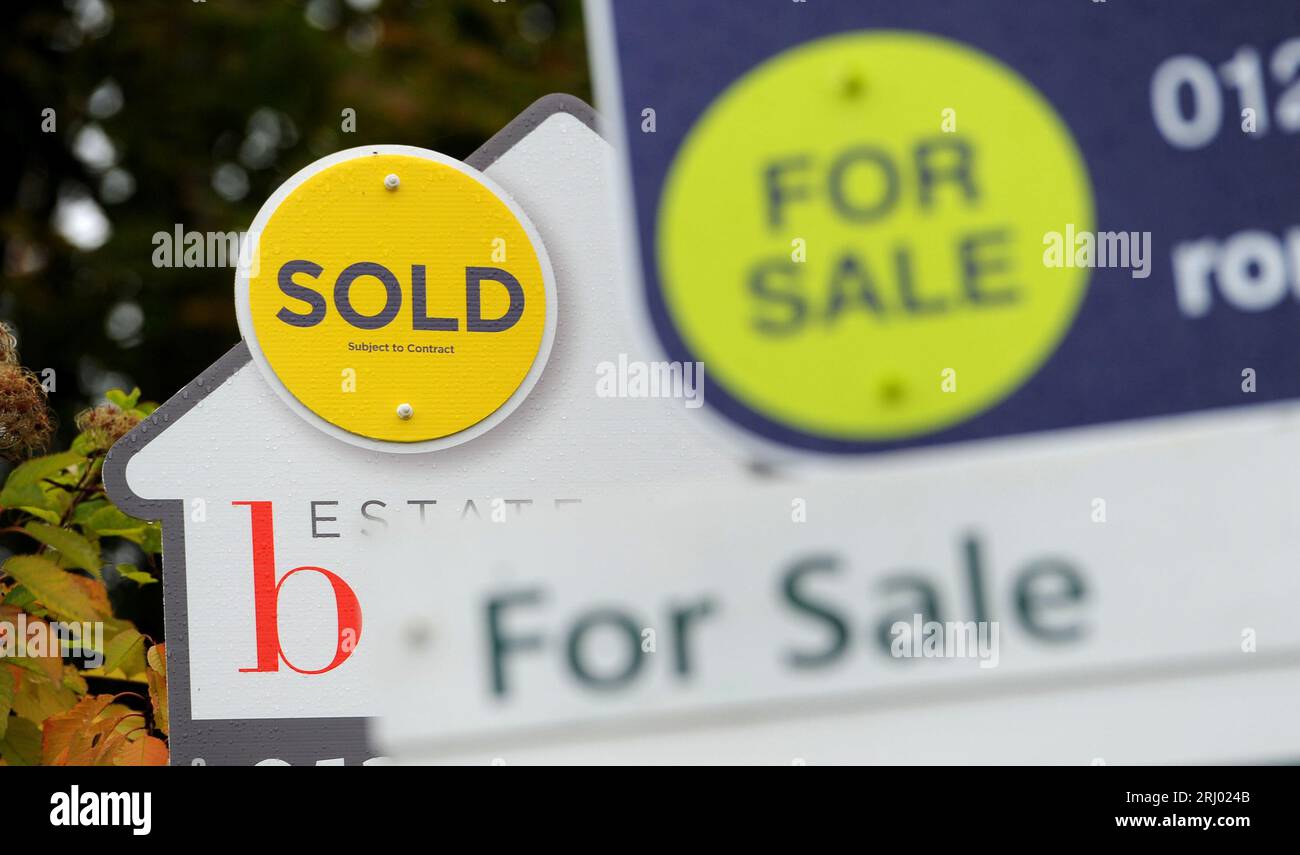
x: 405, y: 411
x: 392, y: 182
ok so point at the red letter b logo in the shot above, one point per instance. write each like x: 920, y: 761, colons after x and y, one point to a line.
x: 266, y: 600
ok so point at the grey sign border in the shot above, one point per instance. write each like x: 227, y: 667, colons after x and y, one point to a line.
x: 297, y: 741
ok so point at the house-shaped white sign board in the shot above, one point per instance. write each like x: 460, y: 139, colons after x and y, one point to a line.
x: 227, y: 438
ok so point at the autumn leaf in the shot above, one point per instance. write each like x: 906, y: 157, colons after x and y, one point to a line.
x: 157, y: 676
x: 60, y: 731
x: 21, y: 744
x: 48, y: 667
x: 106, y: 755
x: 78, y: 551
x: 96, y: 743
x: 38, y: 698
x: 90, y: 734
x: 21, y: 600
x: 97, y: 593
x: 73, y: 680
x: 54, y: 587
x: 125, y: 643
x: 49, y: 664
x: 147, y: 751
x: 92, y: 743
x: 8, y: 682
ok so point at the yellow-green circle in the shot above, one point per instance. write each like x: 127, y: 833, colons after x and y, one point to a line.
x: 874, y: 357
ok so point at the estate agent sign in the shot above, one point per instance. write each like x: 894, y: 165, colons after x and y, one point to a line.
x: 396, y: 302
x: 900, y: 386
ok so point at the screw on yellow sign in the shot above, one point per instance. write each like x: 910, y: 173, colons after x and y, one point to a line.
x: 398, y: 297
x: 850, y: 238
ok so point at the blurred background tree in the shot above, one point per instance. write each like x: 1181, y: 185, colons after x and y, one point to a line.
x: 172, y: 111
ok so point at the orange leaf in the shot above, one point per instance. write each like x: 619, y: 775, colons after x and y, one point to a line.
x: 89, y: 742
x: 96, y: 592
x: 108, y: 749
x: 50, y: 664
x: 148, y: 751
x: 60, y: 730
x: 157, y: 677
x: 38, y: 699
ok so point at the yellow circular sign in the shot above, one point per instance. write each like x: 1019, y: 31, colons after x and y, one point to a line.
x: 851, y: 237
x: 398, y: 296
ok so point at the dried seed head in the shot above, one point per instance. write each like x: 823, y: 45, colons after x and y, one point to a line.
x: 106, y: 424
x: 26, y: 424
x: 8, y: 345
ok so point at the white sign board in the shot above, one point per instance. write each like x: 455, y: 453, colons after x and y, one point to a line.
x: 227, y: 463
x: 758, y: 624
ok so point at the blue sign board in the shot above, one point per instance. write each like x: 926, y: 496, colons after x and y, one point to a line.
x: 881, y: 225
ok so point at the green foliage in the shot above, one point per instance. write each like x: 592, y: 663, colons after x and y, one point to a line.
x: 57, y: 506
